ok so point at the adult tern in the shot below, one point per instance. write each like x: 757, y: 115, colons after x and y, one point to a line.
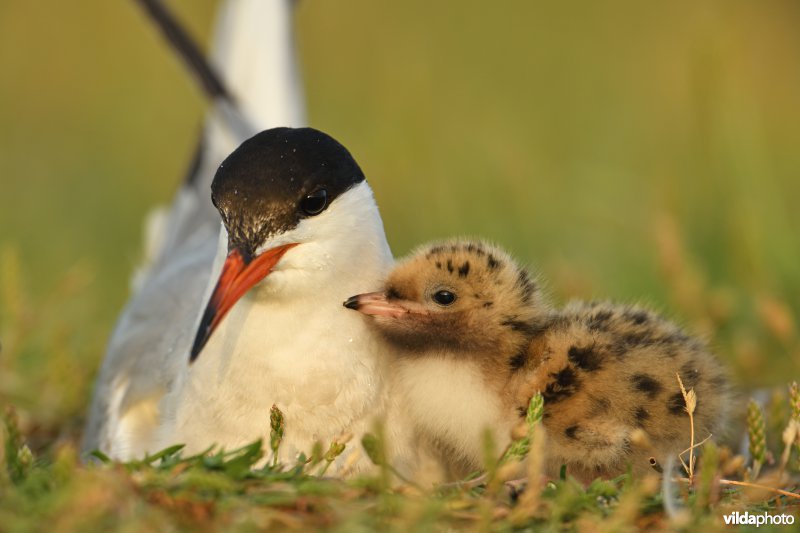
x: 294, y: 202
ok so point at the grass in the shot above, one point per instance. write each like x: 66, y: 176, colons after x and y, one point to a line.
x: 218, y: 489
x: 627, y: 151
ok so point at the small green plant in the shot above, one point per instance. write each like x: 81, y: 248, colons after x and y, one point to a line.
x: 519, y: 448
x: 276, y: 432
x: 334, y: 450
x: 756, y: 434
x: 18, y: 457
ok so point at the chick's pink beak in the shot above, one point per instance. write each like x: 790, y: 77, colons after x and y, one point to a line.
x: 376, y: 304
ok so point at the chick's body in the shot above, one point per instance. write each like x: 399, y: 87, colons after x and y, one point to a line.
x: 474, y: 340
x: 608, y: 375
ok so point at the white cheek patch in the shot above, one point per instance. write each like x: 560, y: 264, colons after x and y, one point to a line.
x: 347, y: 233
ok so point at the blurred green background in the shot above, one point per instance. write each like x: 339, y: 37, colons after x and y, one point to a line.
x: 639, y: 151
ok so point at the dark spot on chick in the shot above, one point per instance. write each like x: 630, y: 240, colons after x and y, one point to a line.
x: 434, y: 251
x: 463, y: 270
x: 565, y: 383
x: 487, y: 305
x: 600, y: 406
x: 646, y: 384
x: 637, y: 317
x: 668, y: 351
x: 519, y: 325
x: 638, y: 339
x: 641, y: 416
x: 450, y: 266
x: 439, y: 265
x: 689, y: 375
x: 676, y: 405
x: 522, y: 411
x: 719, y: 381
x: 631, y: 341
x: 619, y: 348
x: 518, y: 361
x: 560, y: 323
x: 599, y: 321
x: 586, y: 358
x: 526, y: 285
x: 571, y: 431
x: 492, y: 263
x: 393, y: 294
x: 680, y: 338
x: 565, y: 377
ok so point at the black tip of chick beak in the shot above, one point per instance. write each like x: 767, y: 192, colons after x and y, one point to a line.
x: 351, y: 303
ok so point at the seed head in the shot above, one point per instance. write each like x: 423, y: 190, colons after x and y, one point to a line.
x: 756, y: 433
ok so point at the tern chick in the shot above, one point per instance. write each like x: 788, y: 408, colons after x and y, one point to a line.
x: 460, y: 317
x: 474, y: 340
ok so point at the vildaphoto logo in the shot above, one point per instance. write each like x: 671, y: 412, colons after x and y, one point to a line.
x: 757, y: 519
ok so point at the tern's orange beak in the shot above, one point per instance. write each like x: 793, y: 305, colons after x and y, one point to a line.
x: 238, y: 276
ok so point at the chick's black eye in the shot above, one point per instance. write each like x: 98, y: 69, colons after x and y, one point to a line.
x: 315, y: 203
x: 444, y: 297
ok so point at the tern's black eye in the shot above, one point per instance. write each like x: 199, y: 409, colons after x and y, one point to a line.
x: 315, y: 203
x: 444, y: 297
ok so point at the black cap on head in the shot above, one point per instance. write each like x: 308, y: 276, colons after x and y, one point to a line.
x: 275, y: 179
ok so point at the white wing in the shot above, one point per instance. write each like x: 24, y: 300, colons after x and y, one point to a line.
x: 254, y: 55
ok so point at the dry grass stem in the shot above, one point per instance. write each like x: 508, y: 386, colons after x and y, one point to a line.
x: 789, y: 437
x: 748, y: 484
x: 697, y: 445
x: 690, y: 399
